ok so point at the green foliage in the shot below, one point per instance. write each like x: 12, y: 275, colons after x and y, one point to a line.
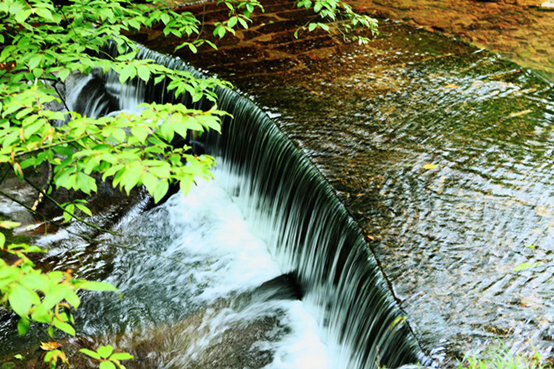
x: 499, y: 357
x: 344, y: 19
x: 525, y: 266
x: 107, y: 358
x: 39, y: 297
x: 44, y: 298
x: 53, y: 354
x: 45, y: 43
x: 239, y: 14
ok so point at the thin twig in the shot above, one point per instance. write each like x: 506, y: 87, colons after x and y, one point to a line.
x: 46, y: 147
x: 61, y: 97
x: 89, y: 239
x: 79, y: 219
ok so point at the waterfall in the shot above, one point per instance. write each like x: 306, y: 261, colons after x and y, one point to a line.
x: 309, y: 233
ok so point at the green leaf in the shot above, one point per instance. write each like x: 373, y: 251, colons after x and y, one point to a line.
x: 107, y: 365
x: 186, y: 184
x: 430, y: 166
x: 119, y: 135
x: 232, y: 21
x: 20, y: 299
x: 63, y: 74
x: 140, y: 132
x: 219, y: 31
x: 143, y: 73
x: 243, y: 23
x: 84, y: 209
x: 127, y: 72
x: 42, y: 314
x: 85, y: 183
x: 35, y: 61
x: 44, y: 13
x: 6, y: 224
x: 150, y: 182
x: 68, y: 213
x: 524, y: 266
x: 90, y: 353
x: 96, y: 286
x: 105, y: 351
x: 22, y: 16
x: 23, y: 326
x: 2, y: 239
x: 35, y: 281
x: 161, y: 190
x: 318, y: 6
x: 121, y: 356
x: 67, y: 328
x: 72, y: 298
x: 131, y: 178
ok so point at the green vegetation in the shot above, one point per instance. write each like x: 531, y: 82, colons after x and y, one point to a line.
x: 499, y: 357
x: 44, y: 42
x: 107, y: 359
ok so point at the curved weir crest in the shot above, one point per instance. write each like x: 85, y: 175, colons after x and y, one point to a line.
x: 308, y: 232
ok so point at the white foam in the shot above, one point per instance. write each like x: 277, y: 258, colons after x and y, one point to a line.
x: 243, y: 262
x: 302, y: 348
x: 213, y: 230
x: 205, y: 251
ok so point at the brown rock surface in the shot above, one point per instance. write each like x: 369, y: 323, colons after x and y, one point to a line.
x: 518, y: 29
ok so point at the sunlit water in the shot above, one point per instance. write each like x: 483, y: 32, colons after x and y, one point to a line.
x: 306, y: 230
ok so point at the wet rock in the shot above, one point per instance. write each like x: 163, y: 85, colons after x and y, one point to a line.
x: 477, y: 22
x: 216, y: 336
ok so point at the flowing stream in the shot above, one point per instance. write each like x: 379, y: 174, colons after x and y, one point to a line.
x: 194, y: 280
x: 262, y: 267
x: 440, y: 151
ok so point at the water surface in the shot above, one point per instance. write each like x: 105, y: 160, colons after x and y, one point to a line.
x: 441, y: 152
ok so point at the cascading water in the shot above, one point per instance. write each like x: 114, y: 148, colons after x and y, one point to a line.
x: 311, y: 235
x: 211, y: 254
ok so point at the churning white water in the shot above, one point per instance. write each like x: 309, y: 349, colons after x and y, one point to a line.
x: 225, y: 259
x: 197, y: 291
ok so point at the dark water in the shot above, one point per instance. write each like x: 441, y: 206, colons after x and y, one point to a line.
x: 443, y: 155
